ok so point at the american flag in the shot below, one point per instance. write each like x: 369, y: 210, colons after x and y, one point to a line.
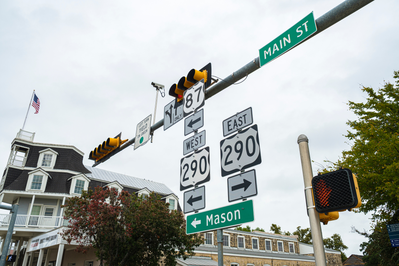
x: 36, y: 103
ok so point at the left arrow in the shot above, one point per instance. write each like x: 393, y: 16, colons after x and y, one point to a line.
x: 243, y: 185
x: 195, y: 222
x: 191, y: 200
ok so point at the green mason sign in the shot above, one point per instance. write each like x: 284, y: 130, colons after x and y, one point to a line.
x: 293, y: 36
x: 228, y: 216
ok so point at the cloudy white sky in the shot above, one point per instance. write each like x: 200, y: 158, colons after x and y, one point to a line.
x: 92, y: 64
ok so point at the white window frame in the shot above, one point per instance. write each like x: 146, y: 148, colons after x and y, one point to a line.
x: 205, y: 238
x: 282, y: 246
x: 44, y: 152
x: 228, y: 240
x: 172, y: 197
x: 115, y: 185
x: 145, y: 192
x: 257, y: 243
x: 289, y: 247
x: 73, y: 179
x: 242, y: 241
x: 37, y: 172
x: 18, y: 152
x: 271, y: 245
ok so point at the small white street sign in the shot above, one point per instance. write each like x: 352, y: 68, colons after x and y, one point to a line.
x: 238, y: 121
x: 194, y: 122
x: 194, y: 143
x: 242, y: 186
x: 240, y: 151
x: 194, y: 199
x: 173, y: 113
x: 194, y: 98
x: 195, y: 169
x: 143, y: 131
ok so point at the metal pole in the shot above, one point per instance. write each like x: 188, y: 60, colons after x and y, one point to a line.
x: 333, y: 16
x: 7, y: 241
x: 155, y: 112
x: 315, y: 228
x: 220, y: 246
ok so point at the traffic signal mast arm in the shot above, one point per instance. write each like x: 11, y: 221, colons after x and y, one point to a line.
x: 333, y: 16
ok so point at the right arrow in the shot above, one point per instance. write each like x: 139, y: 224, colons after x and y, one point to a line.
x: 191, y: 199
x: 243, y: 185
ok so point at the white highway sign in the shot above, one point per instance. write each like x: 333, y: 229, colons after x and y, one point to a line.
x: 194, y: 200
x: 240, y: 151
x: 194, y: 143
x: 173, y: 113
x: 143, y: 132
x: 194, y: 98
x: 242, y: 186
x: 238, y: 121
x: 194, y: 122
x: 195, y: 169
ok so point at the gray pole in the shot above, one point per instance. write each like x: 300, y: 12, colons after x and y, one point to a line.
x: 315, y: 228
x: 325, y: 21
x: 220, y: 246
x: 7, y: 241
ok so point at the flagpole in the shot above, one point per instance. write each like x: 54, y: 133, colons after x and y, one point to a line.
x: 30, y: 103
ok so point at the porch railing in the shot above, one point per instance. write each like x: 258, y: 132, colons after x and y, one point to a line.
x: 33, y: 221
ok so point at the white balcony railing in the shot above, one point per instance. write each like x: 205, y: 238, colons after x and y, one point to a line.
x: 34, y: 221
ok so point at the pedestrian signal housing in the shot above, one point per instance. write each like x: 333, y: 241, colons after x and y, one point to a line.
x: 336, y: 191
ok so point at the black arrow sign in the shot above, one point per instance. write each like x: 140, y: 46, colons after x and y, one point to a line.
x: 192, y: 122
x: 243, y: 185
x: 191, y: 200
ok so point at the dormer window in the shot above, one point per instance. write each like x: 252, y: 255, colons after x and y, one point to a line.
x: 47, y: 158
x: 78, y: 184
x: 116, y: 186
x: 172, y: 199
x: 37, y: 181
x: 145, y: 193
x: 79, y: 187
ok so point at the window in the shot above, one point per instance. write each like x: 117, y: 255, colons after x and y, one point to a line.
x: 171, y: 204
x: 36, y: 182
x: 268, y: 245
x: 291, y: 247
x: 208, y: 238
x: 47, y: 160
x: 234, y: 264
x: 240, y: 241
x: 18, y: 156
x: 226, y: 240
x: 280, y: 246
x: 255, y: 243
x: 79, y: 186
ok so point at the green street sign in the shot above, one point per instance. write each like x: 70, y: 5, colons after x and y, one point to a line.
x: 293, y: 36
x: 227, y: 216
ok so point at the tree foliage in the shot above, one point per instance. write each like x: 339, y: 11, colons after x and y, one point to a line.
x: 304, y: 235
x: 374, y: 158
x: 335, y: 242
x: 127, y: 230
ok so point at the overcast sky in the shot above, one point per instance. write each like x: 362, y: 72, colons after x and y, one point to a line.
x: 92, y: 64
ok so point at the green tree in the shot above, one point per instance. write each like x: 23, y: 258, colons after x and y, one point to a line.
x: 127, y: 230
x: 245, y: 229
x: 374, y: 158
x: 276, y: 229
x: 335, y: 242
x: 304, y: 235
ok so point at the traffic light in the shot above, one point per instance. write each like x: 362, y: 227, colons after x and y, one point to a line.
x: 193, y: 76
x: 106, y: 148
x: 336, y: 191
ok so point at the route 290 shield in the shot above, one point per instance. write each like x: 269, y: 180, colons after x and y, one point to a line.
x: 195, y: 169
x: 240, y: 151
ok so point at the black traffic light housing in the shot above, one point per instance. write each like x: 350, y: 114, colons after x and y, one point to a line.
x: 336, y: 191
x: 193, y: 76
